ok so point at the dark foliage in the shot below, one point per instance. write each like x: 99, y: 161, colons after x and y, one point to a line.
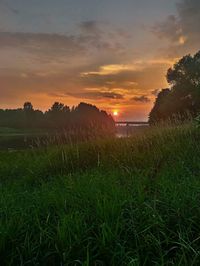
x: 84, y: 118
x: 184, y: 96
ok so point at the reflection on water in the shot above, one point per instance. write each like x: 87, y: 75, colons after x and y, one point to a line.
x: 18, y: 141
x: 127, y: 130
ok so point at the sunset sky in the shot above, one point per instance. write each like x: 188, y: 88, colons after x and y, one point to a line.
x: 111, y: 53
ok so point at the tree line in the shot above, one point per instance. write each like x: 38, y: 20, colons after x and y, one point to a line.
x: 182, y: 98
x: 82, y: 118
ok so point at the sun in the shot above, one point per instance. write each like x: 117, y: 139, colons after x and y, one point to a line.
x: 115, y: 113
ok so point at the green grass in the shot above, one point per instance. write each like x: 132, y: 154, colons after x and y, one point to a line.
x: 133, y: 201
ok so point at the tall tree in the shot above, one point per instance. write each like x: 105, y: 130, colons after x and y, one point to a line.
x: 184, y: 95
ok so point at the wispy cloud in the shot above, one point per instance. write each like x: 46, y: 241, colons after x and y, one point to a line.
x: 93, y: 93
x: 141, y: 99
x: 109, y: 70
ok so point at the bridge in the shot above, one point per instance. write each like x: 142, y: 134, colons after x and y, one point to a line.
x: 131, y: 123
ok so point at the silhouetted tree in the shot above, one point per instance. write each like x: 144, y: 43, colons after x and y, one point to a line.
x: 89, y: 119
x: 28, y: 106
x: 58, y: 115
x: 83, y: 121
x: 184, y: 95
x: 28, y: 115
x: 160, y: 110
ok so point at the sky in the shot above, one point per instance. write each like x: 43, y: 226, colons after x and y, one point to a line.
x: 111, y: 53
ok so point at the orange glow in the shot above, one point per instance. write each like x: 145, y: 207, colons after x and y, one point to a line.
x: 115, y: 113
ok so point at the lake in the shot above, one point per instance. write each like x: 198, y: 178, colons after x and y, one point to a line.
x: 14, y: 139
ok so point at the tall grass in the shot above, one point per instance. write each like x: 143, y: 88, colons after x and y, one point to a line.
x: 132, y: 201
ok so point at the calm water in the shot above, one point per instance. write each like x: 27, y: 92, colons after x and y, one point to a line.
x: 17, y: 141
x: 127, y: 131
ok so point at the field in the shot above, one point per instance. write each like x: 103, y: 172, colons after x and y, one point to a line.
x: 130, y: 201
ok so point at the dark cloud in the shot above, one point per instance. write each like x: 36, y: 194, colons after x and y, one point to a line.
x: 10, y: 8
x: 91, y: 41
x: 42, y: 45
x: 102, y: 36
x: 97, y: 95
x: 182, y: 31
x: 170, y: 29
x: 90, y: 27
x: 189, y: 16
x: 142, y: 99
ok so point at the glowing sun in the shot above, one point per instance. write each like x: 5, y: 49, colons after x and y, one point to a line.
x: 115, y: 113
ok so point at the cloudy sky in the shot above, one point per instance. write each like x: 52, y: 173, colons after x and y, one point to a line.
x: 112, y: 53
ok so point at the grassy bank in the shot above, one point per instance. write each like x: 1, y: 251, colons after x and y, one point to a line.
x: 128, y: 201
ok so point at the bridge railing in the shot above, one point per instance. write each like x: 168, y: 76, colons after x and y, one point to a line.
x: 129, y: 123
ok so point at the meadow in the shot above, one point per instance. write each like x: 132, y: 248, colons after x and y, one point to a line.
x: 130, y: 201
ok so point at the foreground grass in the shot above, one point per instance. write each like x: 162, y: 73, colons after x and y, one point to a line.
x: 117, y: 202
